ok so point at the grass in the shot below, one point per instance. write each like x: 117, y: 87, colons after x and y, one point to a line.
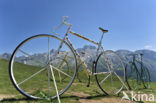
x: 5, y: 84
x: 74, y: 94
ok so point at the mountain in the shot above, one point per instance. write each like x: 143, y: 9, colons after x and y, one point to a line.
x: 88, y: 54
x: 123, y: 53
x: 149, y: 57
x: 5, y: 56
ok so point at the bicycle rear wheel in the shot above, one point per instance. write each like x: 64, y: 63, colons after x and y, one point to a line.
x: 31, y: 62
x: 110, y: 72
x: 146, y: 77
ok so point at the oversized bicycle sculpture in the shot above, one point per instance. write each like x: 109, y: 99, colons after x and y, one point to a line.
x: 40, y: 64
x: 137, y: 74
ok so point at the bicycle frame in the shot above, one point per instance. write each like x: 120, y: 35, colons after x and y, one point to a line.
x: 85, y: 67
x: 58, y: 59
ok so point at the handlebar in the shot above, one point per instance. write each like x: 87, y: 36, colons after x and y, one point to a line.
x: 64, y: 19
x: 136, y: 57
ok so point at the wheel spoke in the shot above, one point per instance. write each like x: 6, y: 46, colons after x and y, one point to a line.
x: 112, y: 69
x: 121, y: 81
x: 48, y: 69
x: 49, y: 82
x: 104, y: 65
x: 105, y: 78
x: 48, y: 48
x: 61, y: 72
x: 108, y: 65
x: 118, y: 77
x: 32, y: 76
x: 102, y: 73
x: 52, y: 73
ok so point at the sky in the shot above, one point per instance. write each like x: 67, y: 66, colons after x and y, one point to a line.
x: 131, y: 23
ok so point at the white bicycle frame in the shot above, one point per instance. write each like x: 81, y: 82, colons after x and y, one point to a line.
x: 65, y: 38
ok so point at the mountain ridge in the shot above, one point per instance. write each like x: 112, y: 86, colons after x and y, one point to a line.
x: 149, y: 56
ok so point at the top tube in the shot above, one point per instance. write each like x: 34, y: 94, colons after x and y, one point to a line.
x: 78, y: 35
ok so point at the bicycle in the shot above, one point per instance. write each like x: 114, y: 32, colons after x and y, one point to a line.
x: 30, y: 67
x: 137, y: 74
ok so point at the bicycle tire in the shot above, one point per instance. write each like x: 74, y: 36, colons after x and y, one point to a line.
x: 120, y: 71
x: 13, y: 63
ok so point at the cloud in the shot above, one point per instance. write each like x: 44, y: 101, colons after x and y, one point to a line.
x: 147, y: 47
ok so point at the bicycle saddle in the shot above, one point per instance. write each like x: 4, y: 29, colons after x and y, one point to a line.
x: 103, y: 30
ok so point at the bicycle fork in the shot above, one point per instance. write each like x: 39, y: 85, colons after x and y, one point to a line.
x: 89, y: 76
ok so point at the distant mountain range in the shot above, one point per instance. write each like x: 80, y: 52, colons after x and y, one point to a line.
x: 149, y: 57
x: 5, y: 56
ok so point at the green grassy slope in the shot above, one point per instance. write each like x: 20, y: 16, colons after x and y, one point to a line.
x: 6, y: 86
x: 76, y: 92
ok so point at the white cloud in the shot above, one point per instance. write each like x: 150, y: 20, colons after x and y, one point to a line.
x: 147, y: 47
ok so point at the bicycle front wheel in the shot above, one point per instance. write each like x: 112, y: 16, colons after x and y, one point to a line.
x: 34, y: 62
x: 133, y: 76
x: 110, y: 72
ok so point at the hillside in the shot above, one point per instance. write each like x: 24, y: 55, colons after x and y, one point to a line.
x: 88, y: 54
x: 4, y: 78
x: 77, y: 93
x: 149, y: 59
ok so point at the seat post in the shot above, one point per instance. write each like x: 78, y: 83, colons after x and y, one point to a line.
x: 100, y: 42
x: 103, y: 31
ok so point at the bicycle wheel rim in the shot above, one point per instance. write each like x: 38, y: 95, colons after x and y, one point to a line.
x: 11, y: 66
x: 104, y: 82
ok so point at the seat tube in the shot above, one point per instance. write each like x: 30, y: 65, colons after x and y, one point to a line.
x: 99, y: 44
